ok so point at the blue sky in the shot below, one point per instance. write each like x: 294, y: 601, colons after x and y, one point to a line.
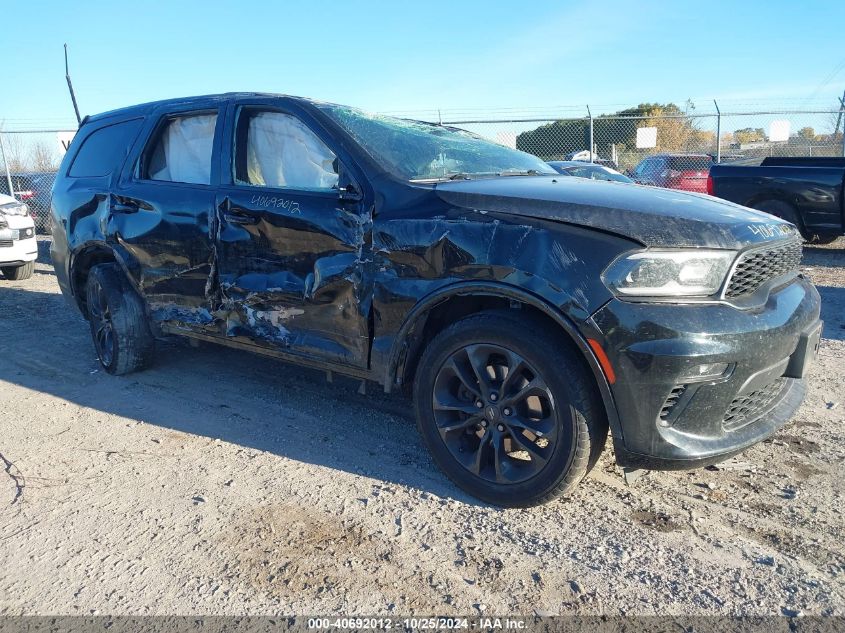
x: 473, y: 57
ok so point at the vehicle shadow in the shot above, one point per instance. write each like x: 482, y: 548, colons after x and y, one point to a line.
x: 833, y: 312
x: 224, y: 394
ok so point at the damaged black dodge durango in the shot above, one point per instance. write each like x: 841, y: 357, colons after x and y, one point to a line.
x: 528, y: 313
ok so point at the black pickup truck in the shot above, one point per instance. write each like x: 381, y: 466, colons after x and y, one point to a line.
x: 805, y: 191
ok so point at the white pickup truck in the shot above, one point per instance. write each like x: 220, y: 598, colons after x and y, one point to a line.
x: 18, y: 248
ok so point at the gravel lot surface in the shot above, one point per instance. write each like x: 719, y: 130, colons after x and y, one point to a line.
x: 218, y: 482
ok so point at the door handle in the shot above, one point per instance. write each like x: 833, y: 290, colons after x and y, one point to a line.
x: 124, y: 207
x: 233, y: 216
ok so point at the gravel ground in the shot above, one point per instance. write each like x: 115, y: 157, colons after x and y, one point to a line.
x: 222, y: 483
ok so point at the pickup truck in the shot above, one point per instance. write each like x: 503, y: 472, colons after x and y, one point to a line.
x: 808, y: 192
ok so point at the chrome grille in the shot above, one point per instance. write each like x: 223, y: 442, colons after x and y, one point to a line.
x: 761, y: 265
x: 747, y: 407
x: 6, y: 243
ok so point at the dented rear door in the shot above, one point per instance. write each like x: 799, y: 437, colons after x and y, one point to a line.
x: 291, y: 255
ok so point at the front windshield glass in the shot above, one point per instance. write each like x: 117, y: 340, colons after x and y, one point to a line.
x: 413, y: 150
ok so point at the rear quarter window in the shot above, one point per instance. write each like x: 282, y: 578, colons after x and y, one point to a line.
x: 104, y: 150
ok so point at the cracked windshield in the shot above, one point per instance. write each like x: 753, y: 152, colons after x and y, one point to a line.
x: 414, y: 150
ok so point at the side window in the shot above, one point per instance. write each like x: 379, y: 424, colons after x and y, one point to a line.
x: 273, y: 149
x: 181, y: 150
x: 104, y: 150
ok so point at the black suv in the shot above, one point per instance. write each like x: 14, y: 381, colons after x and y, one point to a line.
x: 527, y: 312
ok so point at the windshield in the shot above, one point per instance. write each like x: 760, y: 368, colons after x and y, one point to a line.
x: 413, y: 150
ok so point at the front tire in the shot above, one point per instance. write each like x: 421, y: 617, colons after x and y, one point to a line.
x: 118, y: 321
x: 18, y: 273
x: 508, y: 409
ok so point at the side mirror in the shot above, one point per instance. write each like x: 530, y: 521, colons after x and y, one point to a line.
x: 350, y: 193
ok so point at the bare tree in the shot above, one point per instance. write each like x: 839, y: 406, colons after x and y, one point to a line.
x: 43, y: 156
x: 14, y: 149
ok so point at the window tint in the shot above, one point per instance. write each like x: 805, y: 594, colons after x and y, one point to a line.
x: 104, y: 150
x: 277, y: 150
x: 181, y: 151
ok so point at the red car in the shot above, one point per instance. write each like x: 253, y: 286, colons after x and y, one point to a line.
x: 687, y: 172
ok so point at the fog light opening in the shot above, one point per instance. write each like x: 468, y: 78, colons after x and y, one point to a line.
x: 708, y: 371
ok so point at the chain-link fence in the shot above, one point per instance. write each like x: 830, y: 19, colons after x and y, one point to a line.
x: 622, y: 139
x: 28, y: 163
x: 626, y: 138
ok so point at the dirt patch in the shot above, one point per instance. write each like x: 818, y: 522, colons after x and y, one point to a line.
x: 656, y: 521
x: 804, y: 471
x: 798, y: 444
x: 288, y: 551
x: 222, y: 483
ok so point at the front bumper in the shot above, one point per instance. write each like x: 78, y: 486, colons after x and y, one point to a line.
x: 18, y: 252
x: 671, y: 420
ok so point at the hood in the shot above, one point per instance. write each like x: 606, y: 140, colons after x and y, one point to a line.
x: 650, y: 215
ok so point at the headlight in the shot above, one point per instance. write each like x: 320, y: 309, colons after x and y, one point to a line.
x: 14, y: 208
x: 690, y: 273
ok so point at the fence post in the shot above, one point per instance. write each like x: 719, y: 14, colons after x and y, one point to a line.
x: 718, y: 132
x: 590, y: 114
x: 6, y: 165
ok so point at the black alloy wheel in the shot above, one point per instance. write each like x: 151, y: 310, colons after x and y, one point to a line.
x: 495, y: 413
x: 100, y: 318
x: 508, y: 408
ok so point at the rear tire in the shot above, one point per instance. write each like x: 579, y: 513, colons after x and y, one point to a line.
x: 786, y: 211
x: 513, y: 449
x: 18, y: 273
x: 782, y: 210
x: 822, y: 239
x: 118, y: 321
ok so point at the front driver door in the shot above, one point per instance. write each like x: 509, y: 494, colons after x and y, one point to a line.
x: 291, y: 252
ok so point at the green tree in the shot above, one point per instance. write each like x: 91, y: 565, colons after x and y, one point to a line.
x: 676, y: 131
x: 750, y: 135
x: 807, y: 133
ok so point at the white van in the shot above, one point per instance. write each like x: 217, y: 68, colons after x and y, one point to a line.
x: 18, y: 248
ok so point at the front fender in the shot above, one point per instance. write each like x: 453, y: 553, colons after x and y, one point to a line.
x: 552, y: 309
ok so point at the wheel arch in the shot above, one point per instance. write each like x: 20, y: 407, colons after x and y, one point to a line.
x: 470, y: 297
x: 782, y: 198
x: 84, y: 259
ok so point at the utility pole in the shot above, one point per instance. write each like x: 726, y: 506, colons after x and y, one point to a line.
x: 839, y: 120
x: 6, y: 163
x: 718, y: 132
x: 70, y: 87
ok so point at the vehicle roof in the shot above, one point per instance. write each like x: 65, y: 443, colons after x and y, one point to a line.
x: 143, y: 108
